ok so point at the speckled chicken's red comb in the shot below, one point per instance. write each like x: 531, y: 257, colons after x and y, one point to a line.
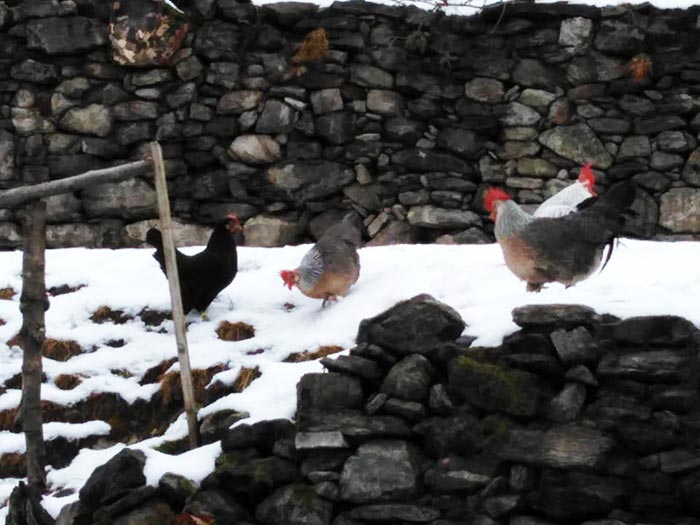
x: 587, y: 177
x: 289, y: 278
x: 492, y: 195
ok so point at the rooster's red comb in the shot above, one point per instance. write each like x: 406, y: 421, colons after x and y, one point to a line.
x: 587, y: 177
x: 492, y: 195
x: 289, y: 277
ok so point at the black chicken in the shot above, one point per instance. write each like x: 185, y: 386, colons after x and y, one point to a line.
x: 204, y: 274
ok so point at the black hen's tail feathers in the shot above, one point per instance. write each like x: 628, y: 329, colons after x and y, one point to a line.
x: 619, y: 196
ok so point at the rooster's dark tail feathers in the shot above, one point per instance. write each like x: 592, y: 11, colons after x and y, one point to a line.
x: 154, y: 238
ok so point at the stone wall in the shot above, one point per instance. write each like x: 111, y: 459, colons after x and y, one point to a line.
x: 577, y: 417
x: 405, y: 120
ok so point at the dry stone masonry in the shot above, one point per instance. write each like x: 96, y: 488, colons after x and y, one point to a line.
x: 577, y: 418
x: 405, y: 120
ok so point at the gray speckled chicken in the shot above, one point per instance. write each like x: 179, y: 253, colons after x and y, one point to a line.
x: 330, y: 267
x: 565, y: 249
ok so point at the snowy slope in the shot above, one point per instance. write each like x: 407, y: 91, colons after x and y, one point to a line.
x: 642, y: 278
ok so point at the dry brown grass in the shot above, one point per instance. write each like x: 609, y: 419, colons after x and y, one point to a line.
x: 321, y: 351
x: 313, y: 47
x: 15, y: 340
x: 104, y: 314
x: 245, y: 377
x: 235, y: 331
x: 154, y: 317
x: 67, y: 381
x: 640, y: 67
x: 2, y: 322
x: 60, y: 350
x: 12, y: 464
x: 7, y: 293
x: 171, y: 387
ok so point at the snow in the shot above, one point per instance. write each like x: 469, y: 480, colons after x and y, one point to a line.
x: 642, y: 278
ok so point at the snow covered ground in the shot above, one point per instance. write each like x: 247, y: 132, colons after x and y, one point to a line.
x: 642, y: 278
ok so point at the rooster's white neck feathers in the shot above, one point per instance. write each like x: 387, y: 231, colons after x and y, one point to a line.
x: 510, y: 219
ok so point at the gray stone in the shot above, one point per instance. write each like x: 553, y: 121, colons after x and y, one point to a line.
x: 151, y: 77
x: 189, y: 69
x: 680, y: 210
x: 60, y: 103
x: 7, y: 156
x: 428, y: 160
x: 532, y: 73
x: 94, y: 119
x: 327, y: 392
x: 409, y: 379
x: 10, y: 236
x: 276, y: 117
x: 660, y: 160
x: 326, y: 101
x: 225, y: 74
x: 675, y: 141
x: 575, y: 32
x: 216, y: 503
x: 609, y: 126
x: 433, y: 322
x: 583, y: 375
x: 464, y: 142
x: 660, y: 330
x: 135, y: 110
x: 64, y: 207
x: 396, y: 232
x: 237, y: 102
x: 337, y: 128
x: 385, y: 102
x: 152, y: 511
x: 255, y: 149
x: 320, y: 440
x: 536, y: 168
x: 487, y: 90
x: 32, y: 71
x: 495, y: 388
x: 395, y: 512
x: 537, y: 98
x: 181, y: 95
x: 269, y: 231
x: 578, y: 143
x: 354, y: 365
x: 567, y: 315
x: 371, y: 77
x: 526, y: 183
x: 296, y: 504
x: 366, y: 196
x: 308, y: 180
x: 30, y: 121
x: 567, y: 404
x: 430, y: 216
x: 617, y: 37
x: 560, y: 447
x: 184, y: 234
x: 575, y: 346
x: 518, y: 114
x: 380, y: 471
x: 653, y: 125
x: 123, y: 472
x: 130, y: 199
x: 65, y: 34
x: 651, y: 366
x: 691, y: 170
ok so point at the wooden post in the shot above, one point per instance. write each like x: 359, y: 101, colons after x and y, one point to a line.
x: 32, y: 303
x: 175, y: 296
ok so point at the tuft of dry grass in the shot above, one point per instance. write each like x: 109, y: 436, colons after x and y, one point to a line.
x: 104, y: 314
x: 154, y: 317
x: 60, y: 350
x: 171, y: 386
x: 12, y: 464
x: 67, y: 381
x: 2, y: 322
x: 235, y: 331
x: 313, y: 47
x: 7, y: 294
x: 640, y: 67
x: 321, y: 351
x: 245, y: 377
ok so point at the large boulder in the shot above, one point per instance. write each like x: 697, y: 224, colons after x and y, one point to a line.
x: 415, y: 325
x: 109, y: 482
x: 302, y: 181
x: 65, y: 35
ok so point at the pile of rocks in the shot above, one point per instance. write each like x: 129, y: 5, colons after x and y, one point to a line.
x: 575, y: 417
x: 405, y: 121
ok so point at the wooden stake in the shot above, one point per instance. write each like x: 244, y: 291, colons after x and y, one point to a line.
x: 175, y: 297
x: 17, y: 196
x: 32, y: 304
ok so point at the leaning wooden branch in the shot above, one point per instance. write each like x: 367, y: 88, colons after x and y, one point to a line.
x: 14, y: 197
